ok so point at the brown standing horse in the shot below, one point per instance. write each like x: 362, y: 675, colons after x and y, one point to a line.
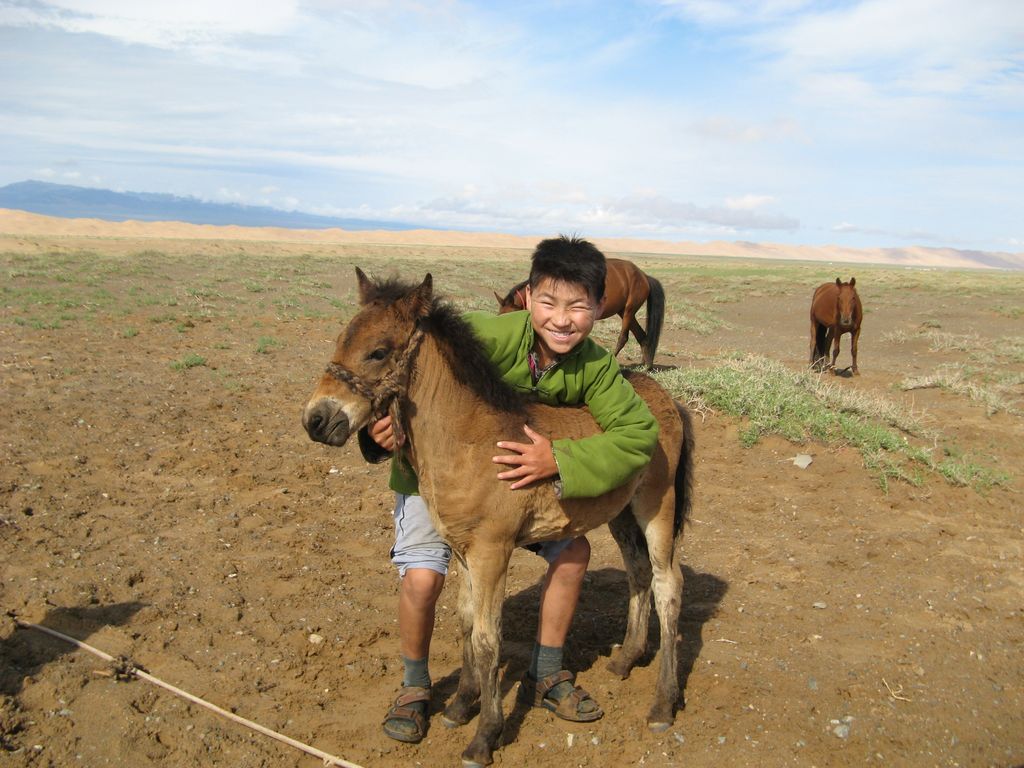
x: 407, y: 353
x: 626, y: 289
x: 835, y: 310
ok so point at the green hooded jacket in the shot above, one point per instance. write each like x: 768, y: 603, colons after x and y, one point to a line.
x: 588, y: 375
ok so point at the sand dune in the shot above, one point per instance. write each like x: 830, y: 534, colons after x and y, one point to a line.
x: 14, y: 223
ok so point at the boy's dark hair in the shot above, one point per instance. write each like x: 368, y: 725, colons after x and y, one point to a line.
x: 569, y: 260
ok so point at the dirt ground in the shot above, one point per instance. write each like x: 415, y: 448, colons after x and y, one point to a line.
x: 180, y: 516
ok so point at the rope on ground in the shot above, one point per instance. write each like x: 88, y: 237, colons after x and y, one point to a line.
x: 131, y: 669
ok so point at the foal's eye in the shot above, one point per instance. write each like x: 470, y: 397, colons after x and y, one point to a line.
x: 378, y: 354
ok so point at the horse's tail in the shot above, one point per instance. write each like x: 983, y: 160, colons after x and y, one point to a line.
x: 655, y: 320
x: 821, y: 341
x: 684, y: 472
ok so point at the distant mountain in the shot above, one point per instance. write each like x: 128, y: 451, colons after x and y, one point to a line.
x: 87, y: 203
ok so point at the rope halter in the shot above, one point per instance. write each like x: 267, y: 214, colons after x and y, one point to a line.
x: 386, y: 395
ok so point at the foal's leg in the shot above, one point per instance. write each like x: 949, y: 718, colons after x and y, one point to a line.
x: 459, y: 710
x: 668, y: 599
x: 489, y: 569
x: 631, y: 543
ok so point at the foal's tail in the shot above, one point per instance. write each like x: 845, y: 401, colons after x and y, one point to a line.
x: 684, y: 472
x: 655, y: 319
x: 628, y: 535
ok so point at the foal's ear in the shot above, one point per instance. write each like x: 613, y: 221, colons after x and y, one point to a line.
x: 365, y: 286
x: 853, y: 281
x: 839, y: 281
x: 422, y: 296
x: 501, y: 301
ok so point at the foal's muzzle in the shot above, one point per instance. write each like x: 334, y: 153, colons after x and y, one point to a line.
x: 325, y: 422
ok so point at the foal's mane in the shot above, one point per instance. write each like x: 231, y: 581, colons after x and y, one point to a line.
x: 462, y: 350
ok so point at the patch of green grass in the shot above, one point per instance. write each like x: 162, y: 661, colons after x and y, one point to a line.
x: 265, y: 344
x: 38, y: 324
x: 691, y: 316
x: 130, y: 333
x: 953, y: 342
x: 895, y: 337
x: 803, y: 405
x: 191, y: 360
x: 1014, y: 312
x: 957, y: 379
x: 960, y: 470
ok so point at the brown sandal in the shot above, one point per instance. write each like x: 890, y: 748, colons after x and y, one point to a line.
x: 535, y: 693
x: 405, y: 720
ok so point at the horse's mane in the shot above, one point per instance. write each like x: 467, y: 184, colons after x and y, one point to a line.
x: 462, y: 350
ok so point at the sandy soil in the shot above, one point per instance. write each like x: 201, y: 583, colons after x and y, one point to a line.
x: 183, y: 519
x: 22, y: 222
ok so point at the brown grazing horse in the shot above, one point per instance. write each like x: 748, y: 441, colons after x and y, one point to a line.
x: 627, y: 288
x: 410, y: 354
x: 835, y: 310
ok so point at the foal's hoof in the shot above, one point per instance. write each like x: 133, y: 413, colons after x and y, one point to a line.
x: 456, y: 714
x: 449, y: 723
x: 476, y: 762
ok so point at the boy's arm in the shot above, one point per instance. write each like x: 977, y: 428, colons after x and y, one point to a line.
x: 597, y: 464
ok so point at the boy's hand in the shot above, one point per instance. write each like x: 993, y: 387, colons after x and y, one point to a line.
x: 382, y: 434
x: 531, y: 462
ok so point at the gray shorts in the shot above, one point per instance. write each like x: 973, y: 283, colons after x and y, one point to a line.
x: 418, y: 545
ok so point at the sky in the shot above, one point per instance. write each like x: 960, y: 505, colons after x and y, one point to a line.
x: 864, y: 123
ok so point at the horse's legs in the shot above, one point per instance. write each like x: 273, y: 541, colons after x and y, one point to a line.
x: 631, y: 543
x: 459, y: 710
x: 623, y: 333
x: 489, y: 569
x: 853, y: 349
x: 814, y: 343
x: 638, y: 333
x: 836, y: 335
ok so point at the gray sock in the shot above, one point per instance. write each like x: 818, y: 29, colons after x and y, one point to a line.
x: 416, y: 674
x: 546, y: 661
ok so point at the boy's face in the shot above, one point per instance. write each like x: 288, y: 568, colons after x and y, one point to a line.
x: 563, y: 314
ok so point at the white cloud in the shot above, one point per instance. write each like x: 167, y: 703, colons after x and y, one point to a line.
x: 732, y: 12
x: 157, y: 23
x: 904, y: 46
x: 748, y: 202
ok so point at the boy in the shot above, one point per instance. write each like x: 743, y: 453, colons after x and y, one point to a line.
x: 545, y: 351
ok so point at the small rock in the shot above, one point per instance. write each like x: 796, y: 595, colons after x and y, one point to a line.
x: 820, y: 604
x: 316, y: 639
